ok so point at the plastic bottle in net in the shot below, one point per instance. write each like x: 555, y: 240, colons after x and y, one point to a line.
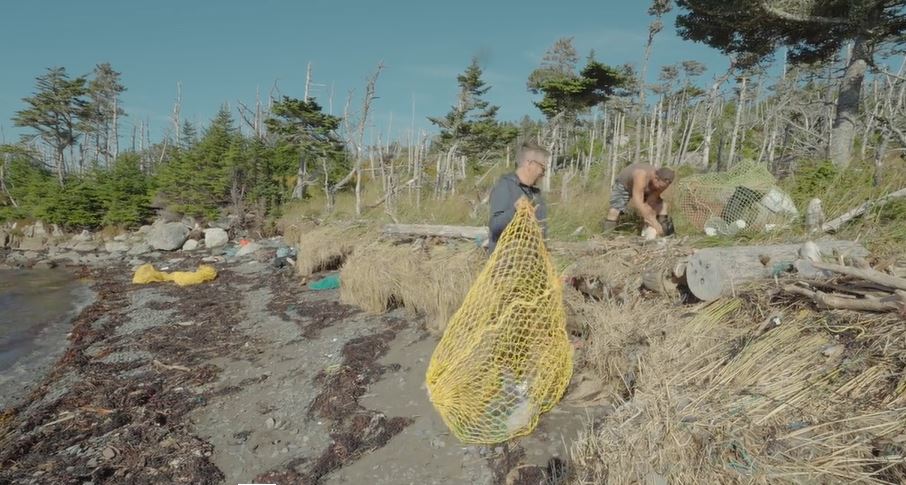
x: 505, y: 357
x: 743, y: 198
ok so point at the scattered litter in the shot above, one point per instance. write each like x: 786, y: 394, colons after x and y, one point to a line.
x: 329, y: 282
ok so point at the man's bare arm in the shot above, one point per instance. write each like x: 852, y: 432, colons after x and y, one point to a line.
x: 649, y: 215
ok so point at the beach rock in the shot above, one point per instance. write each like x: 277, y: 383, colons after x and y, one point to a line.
x: 34, y: 243
x: 190, y: 245
x: 139, y: 249
x: 36, y: 230
x: 215, y: 237
x: 168, y: 236
x: 84, y: 236
x: 116, y: 247
x: 45, y: 264
x: 248, y: 249
x: 85, y: 247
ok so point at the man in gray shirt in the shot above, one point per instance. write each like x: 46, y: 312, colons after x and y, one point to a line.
x: 533, y: 161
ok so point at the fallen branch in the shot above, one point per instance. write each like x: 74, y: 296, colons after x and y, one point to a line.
x: 171, y: 367
x: 61, y: 420
x: 865, y: 274
x: 834, y: 302
x: 858, y: 211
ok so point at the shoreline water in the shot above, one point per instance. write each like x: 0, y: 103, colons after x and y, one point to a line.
x: 39, y: 307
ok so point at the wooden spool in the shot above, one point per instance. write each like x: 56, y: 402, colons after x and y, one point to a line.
x: 715, y: 272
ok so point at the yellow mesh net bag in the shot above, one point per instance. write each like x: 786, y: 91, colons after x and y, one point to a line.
x: 744, y: 198
x: 505, y: 357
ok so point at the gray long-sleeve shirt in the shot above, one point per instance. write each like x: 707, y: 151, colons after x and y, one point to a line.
x: 503, y: 206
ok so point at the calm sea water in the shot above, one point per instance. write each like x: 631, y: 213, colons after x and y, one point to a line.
x: 36, y: 309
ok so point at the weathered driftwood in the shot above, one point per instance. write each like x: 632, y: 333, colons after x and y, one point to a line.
x: 823, y: 300
x: 866, y: 274
x: 456, y: 232
x: 715, y: 272
x: 837, y: 223
x: 665, y: 278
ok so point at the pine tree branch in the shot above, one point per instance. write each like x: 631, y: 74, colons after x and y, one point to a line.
x: 800, y: 18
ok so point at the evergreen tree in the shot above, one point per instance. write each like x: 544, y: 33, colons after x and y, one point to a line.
x: 197, y: 181
x: 124, y: 192
x: 812, y: 32
x: 303, y: 127
x: 54, y: 111
x: 104, y: 110
x: 471, y: 127
x: 571, y: 93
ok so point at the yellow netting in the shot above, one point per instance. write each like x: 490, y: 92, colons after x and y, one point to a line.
x: 744, y: 198
x: 505, y: 357
x: 147, y: 274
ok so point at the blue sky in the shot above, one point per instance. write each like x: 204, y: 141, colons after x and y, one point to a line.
x: 222, y: 51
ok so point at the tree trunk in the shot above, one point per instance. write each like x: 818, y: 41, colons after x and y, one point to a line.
x: 301, y: 175
x: 653, y: 29
x: 739, y: 107
x: 848, y: 102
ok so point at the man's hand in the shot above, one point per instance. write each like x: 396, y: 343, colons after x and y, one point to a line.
x: 658, y: 228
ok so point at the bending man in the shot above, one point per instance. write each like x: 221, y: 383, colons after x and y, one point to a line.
x: 639, y: 187
x: 532, y: 163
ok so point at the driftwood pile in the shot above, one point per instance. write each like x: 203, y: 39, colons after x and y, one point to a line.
x: 857, y: 287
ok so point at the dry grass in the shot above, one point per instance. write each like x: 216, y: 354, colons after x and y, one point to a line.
x: 427, y: 280
x: 326, y: 247
x: 706, y: 399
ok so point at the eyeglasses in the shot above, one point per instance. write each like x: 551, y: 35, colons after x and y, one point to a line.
x: 542, y: 165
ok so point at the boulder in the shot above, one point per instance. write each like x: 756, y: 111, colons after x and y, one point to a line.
x: 139, y: 249
x: 168, y: 236
x: 85, y: 247
x: 249, y: 248
x: 84, y: 236
x: 215, y: 237
x: 34, y: 243
x: 121, y: 238
x: 55, y: 231
x: 37, y: 230
x: 190, y: 245
x: 144, y: 229
x: 116, y: 247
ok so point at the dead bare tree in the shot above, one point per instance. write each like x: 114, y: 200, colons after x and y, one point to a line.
x: 355, y: 139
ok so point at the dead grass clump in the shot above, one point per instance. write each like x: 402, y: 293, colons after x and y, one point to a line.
x: 445, y: 277
x: 326, y: 247
x: 716, y: 400
x: 427, y: 280
x: 372, y: 276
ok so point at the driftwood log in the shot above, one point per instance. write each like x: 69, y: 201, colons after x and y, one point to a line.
x: 837, y: 223
x: 715, y: 272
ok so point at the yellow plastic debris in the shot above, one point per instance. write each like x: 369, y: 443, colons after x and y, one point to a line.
x: 505, y: 357
x: 147, y: 274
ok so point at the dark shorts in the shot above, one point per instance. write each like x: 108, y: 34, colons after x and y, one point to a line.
x: 619, y: 197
